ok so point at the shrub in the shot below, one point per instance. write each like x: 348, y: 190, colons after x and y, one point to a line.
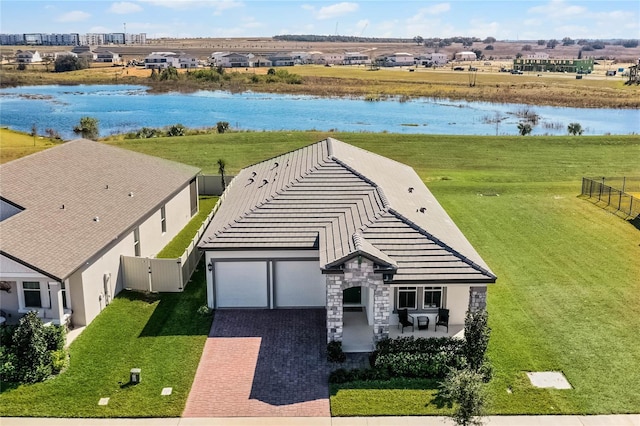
x: 33, y: 360
x: 476, y: 339
x: 466, y: 390
x: 55, y: 337
x: 176, y: 130
x: 204, y: 311
x: 334, y: 352
x: 575, y: 129
x: 222, y: 126
x: 59, y: 360
x: 52, y: 133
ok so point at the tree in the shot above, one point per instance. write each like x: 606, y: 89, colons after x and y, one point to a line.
x: 551, y: 44
x: 169, y: 73
x: 526, y: 48
x: 465, y: 389
x: 222, y: 126
x: 221, y: 165
x: 88, y: 128
x: 575, y: 129
x: 418, y: 40
x: 524, y: 129
x: 489, y: 40
x: 567, y: 41
x: 542, y: 42
x: 66, y: 63
x: 476, y: 339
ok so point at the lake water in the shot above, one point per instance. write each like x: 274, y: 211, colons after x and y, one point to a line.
x: 122, y: 108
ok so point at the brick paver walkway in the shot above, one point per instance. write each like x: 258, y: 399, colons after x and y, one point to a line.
x: 269, y: 363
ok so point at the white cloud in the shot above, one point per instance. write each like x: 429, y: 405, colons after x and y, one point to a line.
x: 73, y: 16
x: 218, y: 5
x: 124, y: 7
x: 558, y: 10
x: 332, y: 11
x: 436, y: 9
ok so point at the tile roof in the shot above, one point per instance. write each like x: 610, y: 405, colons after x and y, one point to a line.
x: 62, y: 190
x: 345, y: 201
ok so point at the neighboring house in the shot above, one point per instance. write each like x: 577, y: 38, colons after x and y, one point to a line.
x: 67, y: 215
x: 162, y: 60
x: 28, y: 56
x: 333, y: 58
x: 108, y: 57
x: 259, y: 61
x: 399, y: 59
x: 434, y: 59
x: 85, y: 52
x: 465, y: 56
x: 57, y: 55
x: 331, y: 224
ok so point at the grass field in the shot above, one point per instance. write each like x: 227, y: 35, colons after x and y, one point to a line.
x: 568, y: 275
x: 568, y: 272
x: 17, y: 144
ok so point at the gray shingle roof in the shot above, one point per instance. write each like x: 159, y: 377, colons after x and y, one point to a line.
x: 90, y: 179
x: 345, y: 201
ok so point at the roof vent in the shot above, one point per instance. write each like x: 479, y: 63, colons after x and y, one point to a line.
x: 422, y: 210
x: 131, y: 194
x: 96, y: 219
x: 251, y: 180
x: 264, y: 182
x: 410, y: 189
x: 106, y: 187
x: 62, y: 207
x: 276, y: 164
x: 253, y: 174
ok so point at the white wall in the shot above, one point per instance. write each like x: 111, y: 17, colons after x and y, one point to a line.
x: 456, y: 300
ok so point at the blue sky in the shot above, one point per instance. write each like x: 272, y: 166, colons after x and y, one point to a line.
x: 504, y: 20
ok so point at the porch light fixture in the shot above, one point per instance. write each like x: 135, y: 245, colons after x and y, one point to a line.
x: 210, y: 266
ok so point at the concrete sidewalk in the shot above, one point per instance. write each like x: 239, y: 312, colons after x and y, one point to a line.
x: 609, y: 420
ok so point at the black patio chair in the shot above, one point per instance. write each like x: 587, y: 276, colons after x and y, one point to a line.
x: 442, y: 319
x: 404, y: 320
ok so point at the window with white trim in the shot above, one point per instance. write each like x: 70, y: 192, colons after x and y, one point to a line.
x: 63, y: 290
x: 432, y: 297
x: 31, y: 293
x: 407, y: 298
x: 136, y: 242
x: 163, y: 219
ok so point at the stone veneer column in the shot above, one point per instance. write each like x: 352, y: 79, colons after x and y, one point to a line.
x: 477, y: 298
x: 357, y: 273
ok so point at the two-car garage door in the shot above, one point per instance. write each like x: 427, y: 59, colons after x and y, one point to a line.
x: 269, y: 284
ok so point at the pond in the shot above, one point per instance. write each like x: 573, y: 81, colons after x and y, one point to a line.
x: 123, y: 108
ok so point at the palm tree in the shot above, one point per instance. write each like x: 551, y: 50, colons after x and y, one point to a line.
x: 221, y: 166
x: 574, y: 129
x: 524, y: 128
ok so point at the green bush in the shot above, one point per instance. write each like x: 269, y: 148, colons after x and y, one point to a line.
x: 55, y: 337
x: 58, y: 360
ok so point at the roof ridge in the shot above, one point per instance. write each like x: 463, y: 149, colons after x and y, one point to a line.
x: 441, y: 243
x: 283, y: 154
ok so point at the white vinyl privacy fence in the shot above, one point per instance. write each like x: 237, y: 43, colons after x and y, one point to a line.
x: 165, y: 275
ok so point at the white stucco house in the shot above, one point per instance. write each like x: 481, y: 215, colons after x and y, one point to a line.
x: 162, y: 60
x: 28, y: 56
x: 68, y: 213
x: 332, y: 225
x: 399, y: 59
x: 465, y: 56
x: 434, y: 59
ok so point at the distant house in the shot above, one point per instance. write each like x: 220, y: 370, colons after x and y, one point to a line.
x: 465, y: 56
x: 259, y: 61
x: 187, y: 61
x: 68, y: 213
x: 57, y: 55
x: 356, y: 58
x: 230, y: 60
x: 434, y: 59
x: 399, y: 60
x: 162, y: 60
x: 28, y: 56
x: 108, y: 57
x: 333, y: 58
x: 334, y: 227
x: 282, y: 60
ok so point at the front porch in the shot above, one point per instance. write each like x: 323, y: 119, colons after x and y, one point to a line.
x: 357, y: 334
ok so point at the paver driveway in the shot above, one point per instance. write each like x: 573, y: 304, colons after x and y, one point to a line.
x: 263, y: 363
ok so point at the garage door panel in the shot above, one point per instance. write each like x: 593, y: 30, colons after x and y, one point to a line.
x: 241, y: 284
x: 299, y: 284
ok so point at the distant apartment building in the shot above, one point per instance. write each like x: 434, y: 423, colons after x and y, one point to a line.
x: 554, y: 65
x: 71, y: 39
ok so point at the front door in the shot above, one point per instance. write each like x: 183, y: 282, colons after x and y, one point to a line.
x: 352, y: 296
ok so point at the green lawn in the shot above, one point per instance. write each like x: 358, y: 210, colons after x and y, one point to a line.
x: 162, y: 335
x: 568, y: 272
x: 180, y: 242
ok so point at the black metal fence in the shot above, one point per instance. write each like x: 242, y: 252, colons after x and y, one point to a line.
x: 619, y: 194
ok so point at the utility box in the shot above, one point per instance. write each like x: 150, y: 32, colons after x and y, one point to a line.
x: 135, y: 376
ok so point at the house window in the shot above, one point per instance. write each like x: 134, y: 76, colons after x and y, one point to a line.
x: 32, y: 297
x: 136, y: 242
x: 193, y: 194
x: 163, y: 219
x: 407, y: 298
x: 63, y: 290
x: 432, y: 297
